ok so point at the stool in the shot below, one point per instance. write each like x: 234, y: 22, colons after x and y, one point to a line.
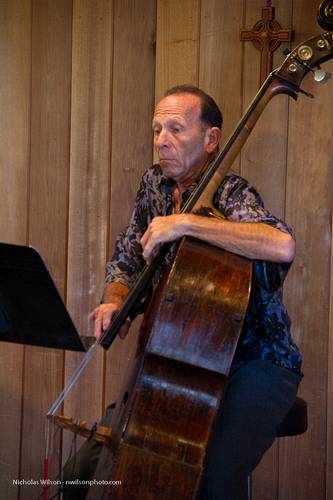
x: 294, y: 423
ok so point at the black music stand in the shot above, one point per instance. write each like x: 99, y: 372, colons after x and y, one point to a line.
x: 31, y: 308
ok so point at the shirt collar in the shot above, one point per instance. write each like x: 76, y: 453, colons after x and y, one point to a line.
x: 170, y: 184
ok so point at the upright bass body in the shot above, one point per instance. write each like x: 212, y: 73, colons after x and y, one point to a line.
x: 188, y: 339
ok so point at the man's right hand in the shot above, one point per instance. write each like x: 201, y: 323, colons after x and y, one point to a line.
x: 113, y: 299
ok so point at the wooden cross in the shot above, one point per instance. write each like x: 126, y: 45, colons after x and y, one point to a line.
x: 267, y: 36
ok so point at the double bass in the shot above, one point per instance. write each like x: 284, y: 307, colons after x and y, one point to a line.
x: 160, y: 431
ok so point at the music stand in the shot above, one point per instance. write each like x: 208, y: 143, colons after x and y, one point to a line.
x: 31, y: 308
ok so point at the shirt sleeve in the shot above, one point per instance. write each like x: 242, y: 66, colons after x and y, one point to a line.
x: 237, y: 200
x: 127, y: 262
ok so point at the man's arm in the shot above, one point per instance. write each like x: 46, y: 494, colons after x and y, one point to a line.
x: 255, y: 240
x: 113, y: 299
x: 126, y: 263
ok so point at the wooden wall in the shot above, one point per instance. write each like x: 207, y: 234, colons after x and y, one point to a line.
x: 78, y: 83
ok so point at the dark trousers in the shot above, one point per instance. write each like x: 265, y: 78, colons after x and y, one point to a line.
x: 258, y: 396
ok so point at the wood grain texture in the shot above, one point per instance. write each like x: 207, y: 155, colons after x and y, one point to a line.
x: 263, y: 163
x: 15, y: 54
x: 309, y: 202
x: 73, y: 145
x: 263, y: 159
x: 48, y: 210
x: 132, y: 108
x: 220, y: 62
x: 329, y: 437
x: 177, y: 49
x: 132, y: 105
x: 89, y: 191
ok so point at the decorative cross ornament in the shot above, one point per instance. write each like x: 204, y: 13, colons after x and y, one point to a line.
x: 267, y: 36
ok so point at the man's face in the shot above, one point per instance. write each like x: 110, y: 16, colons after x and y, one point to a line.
x: 180, y: 139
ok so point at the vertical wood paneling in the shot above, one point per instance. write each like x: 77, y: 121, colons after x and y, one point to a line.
x: 15, y: 51
x: 89, y: 189
x: 263, y: 162
x: 309, y: 202
x: 329, y: 466
x: 50, y: 138
x: 220, y: 64
x: 132, y: 107
x: 91, y: 141
x: 133, y: 91
x: 48, y: 208
x: 263, y: 158
x: 177, y: 44
x: 15, y: 54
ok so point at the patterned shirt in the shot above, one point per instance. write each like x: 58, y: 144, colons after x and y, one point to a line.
x: 266, y: 330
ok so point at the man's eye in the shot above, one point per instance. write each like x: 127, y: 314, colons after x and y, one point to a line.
x: 176, y: 129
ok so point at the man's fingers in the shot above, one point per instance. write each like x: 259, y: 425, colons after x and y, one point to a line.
x: 93, y: 314
x: 106, y: 321
x: 144, y: 238
x: 97, y: 328
x: 146, y: 254
x: 102, y: 316
x: 161, y: 230
x: 150, y: 243
x: 147, y: 242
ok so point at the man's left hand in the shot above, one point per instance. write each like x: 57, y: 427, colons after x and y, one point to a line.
x: 162, y: 230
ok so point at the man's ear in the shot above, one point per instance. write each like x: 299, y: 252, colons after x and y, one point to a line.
x: 213, y: 136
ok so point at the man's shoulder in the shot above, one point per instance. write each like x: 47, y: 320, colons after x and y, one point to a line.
x: 234, y: 184
x: 234, y: 179
x: 235, y: 193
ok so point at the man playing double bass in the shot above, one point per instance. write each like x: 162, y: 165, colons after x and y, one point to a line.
x: 266, y: 369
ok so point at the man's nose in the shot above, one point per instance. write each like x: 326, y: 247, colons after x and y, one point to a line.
x: 162, y: 139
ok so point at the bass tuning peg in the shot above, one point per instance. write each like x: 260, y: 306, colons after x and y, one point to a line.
x: 321, y: 76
